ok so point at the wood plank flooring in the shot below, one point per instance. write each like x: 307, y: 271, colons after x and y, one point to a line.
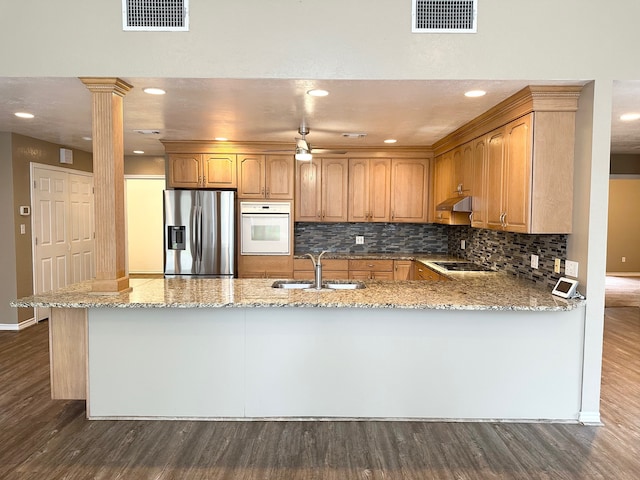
x: 45, y: 439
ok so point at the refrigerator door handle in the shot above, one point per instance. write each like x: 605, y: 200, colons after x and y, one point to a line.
x: 200, y: 234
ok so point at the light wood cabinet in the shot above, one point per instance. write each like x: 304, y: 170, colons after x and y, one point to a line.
x: 453, y: 176
x: 371, y: 269
x: 403, y: 270
x: 479, y: 185
x: 508, y: 179
x: 321, y: 190
x: 266, y: 177
x: 409, y: 190
x: 332, y: 269
x: 369, y: 190
x: 265, y: 266
x: 422, y: 272
x: 202, y: 171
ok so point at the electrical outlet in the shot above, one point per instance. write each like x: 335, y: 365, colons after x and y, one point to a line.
x: 557, y: 264
x: 534, y: 261
x: 571, y: 268
x: 359, y: 239
x: 624, y: 259
x: 463, y: 244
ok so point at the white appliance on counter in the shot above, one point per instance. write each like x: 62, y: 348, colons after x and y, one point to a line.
x: 265, y: 228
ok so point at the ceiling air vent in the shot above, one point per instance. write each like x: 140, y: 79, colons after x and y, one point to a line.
x: 155, y: 15
x: 444, y: 16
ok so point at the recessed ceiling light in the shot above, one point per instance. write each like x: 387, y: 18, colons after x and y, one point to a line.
x: 138, y: 152
x: 390, y: 140
x: 86, y: 138
x: 317, y: 92
x: 154, y: 91
x: 221, y: 139
x: 354, y: 135
x: 627, y: 117
x: 475, y: 93
x: 24, y: 115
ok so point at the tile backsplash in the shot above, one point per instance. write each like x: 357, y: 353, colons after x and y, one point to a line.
x: 378, y: 238
x: 510, y: 252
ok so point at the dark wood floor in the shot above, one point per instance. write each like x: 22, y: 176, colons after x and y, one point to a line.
x: 45, y: 439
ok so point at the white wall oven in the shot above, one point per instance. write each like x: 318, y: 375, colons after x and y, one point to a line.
x: 265, y: 228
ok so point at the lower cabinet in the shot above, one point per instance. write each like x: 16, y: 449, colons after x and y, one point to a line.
x: 422, y: 272
x: 402, y: 270
x: 332, y: 269
x: 371, y: 269
x: 265, y: 266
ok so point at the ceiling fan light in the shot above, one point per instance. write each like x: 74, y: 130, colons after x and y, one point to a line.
x: 303, y: 155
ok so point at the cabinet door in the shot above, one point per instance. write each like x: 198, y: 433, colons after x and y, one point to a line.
x: 402, y: 270
x: 409, y: 192
x: 479, y: 185
x: 251, y: 176
x: 358, y: 210
x: 185, y: 171
x: 517, y: 175
x: 380, y: 189
x: 464, y: 169
x: 495, y: 161
x: 308, y: 206
x: 279, y: 177
x: 219, y: 171
x: 442, y: 184
x: 335, y: 174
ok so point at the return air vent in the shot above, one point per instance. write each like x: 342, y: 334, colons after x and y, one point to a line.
x: 444, y: 16
x: 155, y: 15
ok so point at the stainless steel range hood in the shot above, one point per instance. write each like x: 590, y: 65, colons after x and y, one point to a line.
x: 455, y: 204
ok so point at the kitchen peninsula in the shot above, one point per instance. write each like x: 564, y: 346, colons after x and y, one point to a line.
x: 482, y: 346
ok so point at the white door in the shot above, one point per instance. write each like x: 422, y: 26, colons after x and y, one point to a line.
x: 62, y: 225
x: 81, y: 234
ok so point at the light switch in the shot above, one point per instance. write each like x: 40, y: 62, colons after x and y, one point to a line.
x: 23, y: 229
x: 571, y: 268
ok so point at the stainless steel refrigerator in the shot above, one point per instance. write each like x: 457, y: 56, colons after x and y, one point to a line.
x: 199, y: 233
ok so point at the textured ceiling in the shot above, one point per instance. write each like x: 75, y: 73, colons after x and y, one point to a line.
x: 416, y: 113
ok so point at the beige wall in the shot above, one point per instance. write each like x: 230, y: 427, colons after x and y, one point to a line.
x: 143, y: 165
x: 8, y: 290
x: 24, y: 151
x: 624, y: 225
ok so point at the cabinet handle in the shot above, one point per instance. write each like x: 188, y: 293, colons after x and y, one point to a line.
x: 420, y: 270
x: 471, y: 217
x: 318, y: 215
x: 268, y: 192
x: 323, y: 215
x: 393, y: 215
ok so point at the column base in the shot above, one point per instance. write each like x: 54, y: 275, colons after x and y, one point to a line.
x: 111, y: 286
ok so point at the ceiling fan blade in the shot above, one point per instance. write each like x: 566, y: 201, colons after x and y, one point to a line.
x: 302, y: 143
x: 328, y: 150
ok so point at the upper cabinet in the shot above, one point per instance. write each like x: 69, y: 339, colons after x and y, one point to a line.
x: 369, y: 190
x: 265, y: 177
x: 321, y: 190
x: 202, y: 171
x: 409, y: 190
x: 520, y: 159
x: 453, y: 177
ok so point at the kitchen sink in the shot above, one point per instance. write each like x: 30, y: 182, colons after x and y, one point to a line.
x: 310, y: 285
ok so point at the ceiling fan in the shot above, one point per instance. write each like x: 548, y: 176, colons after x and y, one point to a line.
x: 304, y: 151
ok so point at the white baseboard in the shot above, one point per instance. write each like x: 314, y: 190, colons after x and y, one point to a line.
x: 623, y: 274
x: 590, y: 418
x: 18, y: 326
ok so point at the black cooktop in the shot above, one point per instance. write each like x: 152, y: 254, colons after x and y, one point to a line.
x: 462, y: 267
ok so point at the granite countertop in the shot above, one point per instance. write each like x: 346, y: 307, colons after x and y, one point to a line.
x: 376, y: 256
x: 467, y: 291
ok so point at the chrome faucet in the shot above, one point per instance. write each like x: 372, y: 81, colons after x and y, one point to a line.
x: 317, y: 266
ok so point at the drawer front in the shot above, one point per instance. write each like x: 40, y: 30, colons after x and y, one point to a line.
x: 425, y: 273
x: 371, y: 265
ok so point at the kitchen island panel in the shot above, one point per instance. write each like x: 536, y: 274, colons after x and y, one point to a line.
x: 166, y: 363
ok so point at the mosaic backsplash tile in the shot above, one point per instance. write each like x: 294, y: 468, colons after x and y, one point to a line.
x: 505, y: 251
x: 510, y: 252
x: 378, y: 237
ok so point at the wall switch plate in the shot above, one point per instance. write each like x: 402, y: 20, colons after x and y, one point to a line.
x: 463, y: 244
x: 534, y: 261
x: 571, y: 268
x: 23, y: 229
x: 359, y: 239
x: 557, y: 264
